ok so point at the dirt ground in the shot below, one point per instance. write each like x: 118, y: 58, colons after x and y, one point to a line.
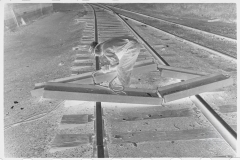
x: 34, y: 53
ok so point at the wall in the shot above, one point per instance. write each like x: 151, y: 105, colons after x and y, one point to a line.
x: 17, y: 14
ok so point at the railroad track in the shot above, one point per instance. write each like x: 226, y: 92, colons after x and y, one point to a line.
x: 172, y: 22
x: 131, y: 130
x: 213, y: 43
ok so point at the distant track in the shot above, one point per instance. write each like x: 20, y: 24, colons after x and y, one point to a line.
x: 204, y: 47
x: 229, y: 57
x: 188, y: 27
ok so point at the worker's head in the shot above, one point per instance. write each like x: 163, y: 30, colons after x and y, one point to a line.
x: 95, y: 49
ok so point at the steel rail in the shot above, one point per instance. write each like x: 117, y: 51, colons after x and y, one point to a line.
x: 181, y: 25
x: 219, y: 124
x: 229, y: 57
x: 98, y: 106
x: 226, y: 56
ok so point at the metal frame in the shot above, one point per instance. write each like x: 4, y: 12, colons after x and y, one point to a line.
x: 84, y: 92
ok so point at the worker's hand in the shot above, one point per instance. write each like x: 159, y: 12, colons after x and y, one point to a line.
x: 105, y: 69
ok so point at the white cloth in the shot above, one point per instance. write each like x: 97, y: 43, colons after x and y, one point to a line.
x: 121, y: 51
x: 128, y: 58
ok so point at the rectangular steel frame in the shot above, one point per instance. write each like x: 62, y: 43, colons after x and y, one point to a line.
x: 83, y: 92
x: 78, y: 86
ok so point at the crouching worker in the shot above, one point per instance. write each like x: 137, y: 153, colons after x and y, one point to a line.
x: 122, y: 53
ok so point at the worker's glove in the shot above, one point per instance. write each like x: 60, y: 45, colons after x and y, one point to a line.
x: 105, y: 69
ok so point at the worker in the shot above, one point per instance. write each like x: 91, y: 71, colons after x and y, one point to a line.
x: 122, y: 53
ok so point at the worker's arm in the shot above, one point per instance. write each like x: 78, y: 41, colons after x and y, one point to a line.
x: 113, y: 59
x: 109, y: 68
x: 113, y: 67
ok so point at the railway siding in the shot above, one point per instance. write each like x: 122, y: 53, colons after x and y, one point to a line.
x: 202, y: 38
x: 213, y: 26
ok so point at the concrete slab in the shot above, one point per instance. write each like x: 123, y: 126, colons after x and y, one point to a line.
x: 173, y: 149
x: 90, y: 34
x: 86, y: 41
x: 66, y: 141
x: 84, y: 54
x: 82, y: 68
x: 136, y: 137
x: 85, y: 61
x: 76, y: 119
x: 228, y: 108
x: 76, y: 64
x: 103, y: 32
x: 113, y: 35
x: 87, y: 38
x: 185, y: 112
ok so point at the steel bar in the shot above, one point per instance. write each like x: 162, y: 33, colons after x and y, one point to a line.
x: 194, y: 86
x: 179, y: 73
x: 85, y: 78
x: 83, y: 92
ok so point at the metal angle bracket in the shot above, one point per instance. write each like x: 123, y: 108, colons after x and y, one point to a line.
x: 195, y: 82
x: 194, y: 86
